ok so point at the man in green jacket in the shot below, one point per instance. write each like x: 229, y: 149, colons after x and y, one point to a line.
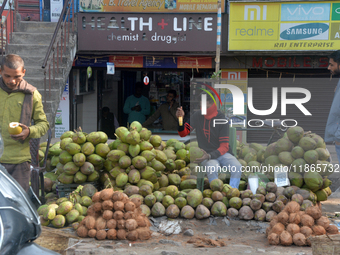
x: 167, y: 111
x: 19, y: 102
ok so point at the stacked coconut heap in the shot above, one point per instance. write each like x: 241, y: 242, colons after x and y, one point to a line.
x: 304, y: 155
x: 114, y: 216
x: 294, y: 226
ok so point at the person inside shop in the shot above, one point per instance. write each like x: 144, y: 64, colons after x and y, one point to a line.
x: 137, y: 106
x: 19, y: 102
x: 332, y: 132
x: 108, y: 123
x: 214, y: 142
x: 167, y: 111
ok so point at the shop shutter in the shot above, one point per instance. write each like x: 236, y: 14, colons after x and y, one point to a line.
x: 322, y: 92
x: 29, y: 10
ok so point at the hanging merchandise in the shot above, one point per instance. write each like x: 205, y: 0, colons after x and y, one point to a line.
x: 146, y: 80
x: 89, y: 72
x: 110, y: 68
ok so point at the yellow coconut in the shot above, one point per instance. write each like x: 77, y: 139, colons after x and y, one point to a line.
x: 14, y: 128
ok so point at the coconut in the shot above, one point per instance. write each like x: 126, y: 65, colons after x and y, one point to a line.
x: 130, y: 206
x: 144, y: 233
x: 232, y: 213
x: 118, y: 215
x: 92, y: 233
x: 279, y: 191
x: 120, y: 224
x: 323, y: 221
x: 292, y: 207
x: 300, y: 213
x: 246, y: 201
x: 274, y: 221
x: 270, y: 197
x: 106, y: 194
x: 107, y: 215
x: 255, y: 204
x: 282, y: 198
x: 131, y: 224
x: 111, y: 234
x: 96, y: 197
x: 306, y: 231
x: 297, y: 198
x: 82, y: 231
x: 294, y: 218
x: 314, y: 211
x: 278, y: 228
x: 273, y: 239
x: 111, y: 224
x: 332, y: 229
x: 246, y: 213
x: 101, y: 234
x: 121, y: 234
x: 132, y: 236
x: 117, y: 196
x: 97, y: 207
x: 286, y: 238
x: 118, y: 206
x: 293, y: 229
x: 141, y: 221
x: 270, y: 215
x: 283, y: 217
x: 260, y: 215
x: 318, y: 230
x: 136, y: 201
x: 271, y: 187
x: 299, y: 239
x: 278, y: 206
x: 129, y: 215
x: 90, y: 222
x: 107, y: 205
x: 100, y: 223
x: 307, y: 220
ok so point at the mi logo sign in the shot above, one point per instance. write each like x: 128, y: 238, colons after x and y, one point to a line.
x: 252, y: 11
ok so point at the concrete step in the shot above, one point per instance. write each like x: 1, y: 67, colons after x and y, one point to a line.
x: 32, y: 38
x: 38, y: 61
x: 38, y: 82
x: 31, y: 49
x: 36, y: 27
x: 37, y: 71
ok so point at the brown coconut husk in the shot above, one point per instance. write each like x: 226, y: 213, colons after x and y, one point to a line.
x: 144, y: 233
x: 143, y: 221
x: 306, y: 231
x: 121, y: 234
x: 292, y: 207
x: 107, y: 215
x: 121, y: 224
x: 90, y: 222
x: 294, y: 218
x: 118, y: 206
x: 131, y: 224
x: 318, y: 230
x: 273, y: 239
x: 137, y: 201
x: 82, y: 231
x: 101, y: 234
x: 314, y: 211
x: 125, y: 198
x: 293, y: 229
x: 139, y: 211
x: 92, y: 233
x: 96, y: 197
x: 82, y: 223
x: 278, y: 228
x: 323, y: 221
x: 107, y: 205
x: 332, y: 230
x: 129, y: 215
x: 91, y: 211
x: 299, y: 239
x: 111, y: 224
x: 129, y: 206
x: 283, y: 217
x: 111, y: 234
x: 97, y: 207
x: 132, y: 235
x: 300, y: 213
x: 100, y: 223
x: 307, y: 220
x: 106, y: 194
x: 286, y: 238
x: 274, y: 221
x: 118, y: 215
x: 117, y: 196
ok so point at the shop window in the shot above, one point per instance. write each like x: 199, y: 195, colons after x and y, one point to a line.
x: 85, y: 85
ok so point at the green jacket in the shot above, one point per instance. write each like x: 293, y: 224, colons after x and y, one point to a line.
x: 170, y: 121
x: 10, y: 111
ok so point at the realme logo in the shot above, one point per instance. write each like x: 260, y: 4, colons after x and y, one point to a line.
x: 249, y: 12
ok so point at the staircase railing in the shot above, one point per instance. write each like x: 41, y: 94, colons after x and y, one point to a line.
x: 8, y: 23
x: 57, y: 47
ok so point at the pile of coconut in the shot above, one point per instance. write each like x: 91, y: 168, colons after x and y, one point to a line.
x: 294, y: 226
x: 114, y: 216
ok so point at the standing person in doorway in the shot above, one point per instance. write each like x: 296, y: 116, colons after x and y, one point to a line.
x: 167, y: 111
x: 108, y: 123
x: 332, y: 132
x: 19, y: 102
x: 137, y: 106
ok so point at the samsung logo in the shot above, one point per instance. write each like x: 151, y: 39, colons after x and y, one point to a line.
x: 304, y: 31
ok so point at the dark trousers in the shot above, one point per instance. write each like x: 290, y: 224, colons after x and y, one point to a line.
x: 20, y: 172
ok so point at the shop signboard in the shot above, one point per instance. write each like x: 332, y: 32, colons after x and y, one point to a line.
x: 56, y: 9
x: 151, y: 6
x: 62, y: 117
x: 147, y: 32
x: 288, y: 26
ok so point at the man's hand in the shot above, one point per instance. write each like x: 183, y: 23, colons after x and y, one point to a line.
x: 180, y: 112
x: 138, y: 108
x: 23, y: 135
x: 204, y: 157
